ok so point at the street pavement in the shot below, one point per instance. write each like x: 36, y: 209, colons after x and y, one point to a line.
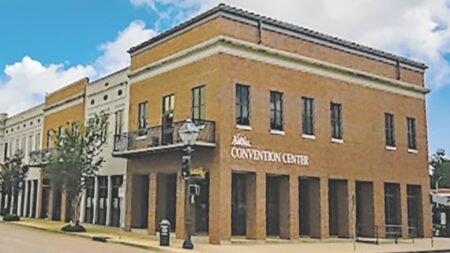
x: 16, y: 239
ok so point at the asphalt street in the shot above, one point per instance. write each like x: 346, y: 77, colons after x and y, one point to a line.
x: 16, y: 239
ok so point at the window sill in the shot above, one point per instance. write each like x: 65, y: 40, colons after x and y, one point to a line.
x: 337, y: 141
x: 308, y: 137
x: 244, y: 127
x: 390, y: 148
x: 277, y: 132
x: 143, y: 137
x: 412, y: 151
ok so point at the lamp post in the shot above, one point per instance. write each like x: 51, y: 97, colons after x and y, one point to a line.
x: 188, y: 133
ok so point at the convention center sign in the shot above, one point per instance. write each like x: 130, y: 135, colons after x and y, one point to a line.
x: 242, y: 149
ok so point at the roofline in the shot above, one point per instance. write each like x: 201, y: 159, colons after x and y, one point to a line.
x: 25, y: 111
x: 267, y: 23
x: 109, y: 75
x: 86, y: 79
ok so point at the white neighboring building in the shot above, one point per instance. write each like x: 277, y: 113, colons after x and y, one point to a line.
x: 23, y: 132
x: 101, y: 203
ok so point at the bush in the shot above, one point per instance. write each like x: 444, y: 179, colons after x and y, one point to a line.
x: 11, y: 217
x: 73, y: 228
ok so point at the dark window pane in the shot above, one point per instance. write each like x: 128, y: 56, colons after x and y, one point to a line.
x: 308, y: 116
x: 276, y: 110
x: 389, y: 125
x: 242, y: 105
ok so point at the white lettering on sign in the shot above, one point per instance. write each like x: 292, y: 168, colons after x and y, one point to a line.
x: 242, y: 150
x: 239, y: 140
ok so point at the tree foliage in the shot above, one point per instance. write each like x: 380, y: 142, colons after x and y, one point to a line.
x: 441, y: 169
x: 12, y: 176
x: 76, y: 156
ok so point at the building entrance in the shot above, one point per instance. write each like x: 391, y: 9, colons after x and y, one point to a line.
x: 272, y: 206
x: 392, y: 209
x: 89, y: 200
x: 238, y: 204
x: 338, y: 208
x: 116, y: 182
x: 139, y: 201
x: 202, y: 207
x: 415, y: 211
x: 364, y: 209
x: 166, y: 199
x: 46, y: 190
x: 309, y: 206
x: 56, y: 203
x: 102, y: 198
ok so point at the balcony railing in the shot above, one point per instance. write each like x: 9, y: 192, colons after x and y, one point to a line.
x: 40, y: 157
x: 162, y: 137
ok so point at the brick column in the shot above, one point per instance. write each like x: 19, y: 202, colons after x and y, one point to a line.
x: 426, y: 210
x: 378, y: 192
x: 39, y: 195
x: 152, y: 193
x: 128, y: 198
x: 108, y: 202
x: 289, y: 207
x: 404, y: 210
x: 179, y: 228
x: 324, y: 219
x: 220, y: 205
x: 351, y: 193
x: 256, y: 205
x: 64, y: 212
x: 50, y: 205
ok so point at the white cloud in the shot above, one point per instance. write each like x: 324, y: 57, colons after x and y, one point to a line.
x: 115, y: 55
x: 28, y: 80
x: 417, y: 29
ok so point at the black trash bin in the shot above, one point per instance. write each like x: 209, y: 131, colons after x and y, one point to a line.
x: 164, y: 233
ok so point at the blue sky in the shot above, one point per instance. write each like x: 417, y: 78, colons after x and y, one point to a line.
x: 45, y: 44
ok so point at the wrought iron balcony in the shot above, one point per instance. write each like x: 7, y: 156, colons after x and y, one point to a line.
x: 39, y: 158
x: 161, y: 138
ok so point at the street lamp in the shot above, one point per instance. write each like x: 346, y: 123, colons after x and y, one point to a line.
x: 188, y: 133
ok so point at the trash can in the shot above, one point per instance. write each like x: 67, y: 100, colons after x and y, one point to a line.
x: 164, y: 233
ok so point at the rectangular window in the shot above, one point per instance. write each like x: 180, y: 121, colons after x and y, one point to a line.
x: 17, y: 144
x: 49, y: 138
x: 5, y: 154
x: 389, y: 125
x: 242, y: 105
x: 276, y: 110
x: 336, y: 121
x: 308, y: 116
x: 37, y: 142
x: 118, y: 126
x: 412, y: 142
x: 142, y: 115
x: 198, y: 103
x: 30, y: 144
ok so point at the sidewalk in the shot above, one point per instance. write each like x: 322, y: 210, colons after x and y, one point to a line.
x: 140, y: 239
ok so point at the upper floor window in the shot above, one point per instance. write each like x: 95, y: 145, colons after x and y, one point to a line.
x: 412, y: 142
x: 5, y: 151
x: 242, y: 105
x: 118, y: 126
x: 198, y: 103
x: 390, y: 129
x: 37, y: 142
x: 276, y: 110
x: 142, y: 115
x: 308, y: 116
x: 49, y: 138
x: 336, y: 121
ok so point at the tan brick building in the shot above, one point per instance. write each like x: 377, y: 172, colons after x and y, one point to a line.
x: 61, y: 108
x: 298, y: 129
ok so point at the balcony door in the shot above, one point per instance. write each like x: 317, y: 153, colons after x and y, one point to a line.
x: 167, y: 119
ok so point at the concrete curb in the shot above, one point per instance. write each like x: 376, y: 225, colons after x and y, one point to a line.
x: 90, y: 237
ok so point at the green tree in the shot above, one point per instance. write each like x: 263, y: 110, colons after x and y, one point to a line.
x: 12, y: 176
x: 76, y: 157
x: 441, y: 169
